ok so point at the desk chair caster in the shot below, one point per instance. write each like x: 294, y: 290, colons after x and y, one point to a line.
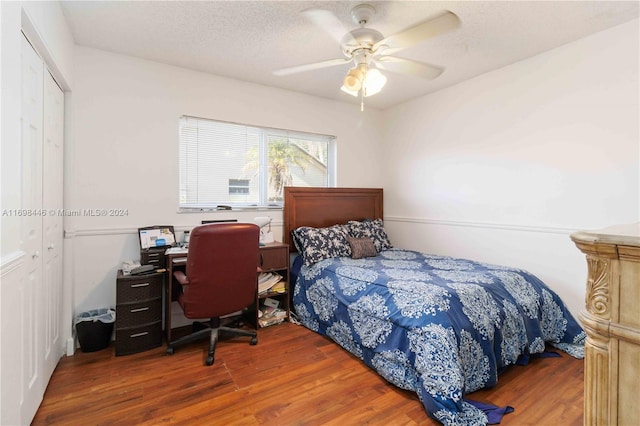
x: 209, y: 360
x: 213, y: 339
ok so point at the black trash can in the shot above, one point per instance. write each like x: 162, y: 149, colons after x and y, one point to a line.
x: 94, y: 329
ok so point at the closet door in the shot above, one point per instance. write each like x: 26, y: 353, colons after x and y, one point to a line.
x: 31, y: 294
x: 52, y: 232
x: 40, y: 306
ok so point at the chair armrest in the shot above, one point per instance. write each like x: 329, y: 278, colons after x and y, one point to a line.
x: 181, y: 277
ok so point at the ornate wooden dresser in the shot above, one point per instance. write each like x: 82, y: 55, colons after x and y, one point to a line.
x: 611, y: 320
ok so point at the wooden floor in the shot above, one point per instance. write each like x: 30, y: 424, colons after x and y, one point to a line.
x: 292, y: 377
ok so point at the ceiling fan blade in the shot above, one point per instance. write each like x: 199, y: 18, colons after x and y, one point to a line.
x: 407, y: 66
x: 330, y: 23
x: 442, y: 23
x: 311, y: 67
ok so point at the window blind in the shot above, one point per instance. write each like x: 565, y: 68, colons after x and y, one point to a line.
x: 223, y: 163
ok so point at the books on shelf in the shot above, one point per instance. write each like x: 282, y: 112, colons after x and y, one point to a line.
x: 270, y: 281
x: 278, y: 287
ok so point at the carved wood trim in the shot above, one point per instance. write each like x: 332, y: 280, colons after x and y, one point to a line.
x: 598, y: 282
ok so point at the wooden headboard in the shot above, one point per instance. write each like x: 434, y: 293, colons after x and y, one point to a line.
x: 322, y: 207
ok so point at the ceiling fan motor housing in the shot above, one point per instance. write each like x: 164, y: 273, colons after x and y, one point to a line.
x: 360, y: 38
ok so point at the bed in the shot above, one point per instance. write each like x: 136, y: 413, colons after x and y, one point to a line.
x: 439, y: 326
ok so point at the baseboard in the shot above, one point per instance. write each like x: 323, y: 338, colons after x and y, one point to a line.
x: 71, y: 346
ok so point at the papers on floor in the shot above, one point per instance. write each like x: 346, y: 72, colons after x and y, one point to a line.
x: 270, y: 281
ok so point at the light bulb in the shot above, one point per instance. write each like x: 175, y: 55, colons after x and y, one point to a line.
x: 353, y: 79
x: 374, y: 81
x: 352, y: 83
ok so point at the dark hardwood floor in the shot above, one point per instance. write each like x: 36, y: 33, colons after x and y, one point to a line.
x: 292, y: 377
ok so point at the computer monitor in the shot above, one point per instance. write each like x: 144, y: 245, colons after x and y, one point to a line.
x: 156, y: 236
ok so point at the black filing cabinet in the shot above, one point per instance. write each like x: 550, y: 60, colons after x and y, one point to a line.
x: 153, y: 256
x: 138, y: 312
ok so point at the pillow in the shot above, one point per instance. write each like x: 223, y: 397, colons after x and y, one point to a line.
x: 316, y: 244
x: 362, y: 247
x: 373, y: 229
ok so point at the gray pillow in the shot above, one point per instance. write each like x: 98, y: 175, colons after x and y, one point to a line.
x: 362, y: 247
x: 373, y: 229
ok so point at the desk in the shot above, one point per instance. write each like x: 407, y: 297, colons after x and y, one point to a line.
x: 175, y: 258
x: 273, y: 257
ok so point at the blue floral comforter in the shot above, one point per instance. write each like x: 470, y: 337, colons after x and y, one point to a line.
x: 439, y: 326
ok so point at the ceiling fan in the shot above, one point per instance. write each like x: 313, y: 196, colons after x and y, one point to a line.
x: 370, y: 51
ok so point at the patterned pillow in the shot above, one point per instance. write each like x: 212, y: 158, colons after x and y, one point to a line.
x: 362, y: 247
x: 373, y: 229
x: 316, y: 244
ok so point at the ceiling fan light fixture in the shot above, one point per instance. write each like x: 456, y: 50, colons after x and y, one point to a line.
x: 353, y: 80
x: 369, y: 80
x: 374, y: 81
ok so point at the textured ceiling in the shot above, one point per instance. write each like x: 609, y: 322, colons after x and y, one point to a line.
x: 247, y: 40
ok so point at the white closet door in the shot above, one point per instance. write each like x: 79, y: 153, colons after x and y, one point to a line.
x: 38, y: 310
x: 52, y: 195
x: 31, y: 297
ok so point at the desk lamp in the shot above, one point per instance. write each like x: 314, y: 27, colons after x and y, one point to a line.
x: 266, y: 236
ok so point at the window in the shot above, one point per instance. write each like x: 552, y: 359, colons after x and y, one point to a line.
x: 243, y: 166
x: 239, y: 186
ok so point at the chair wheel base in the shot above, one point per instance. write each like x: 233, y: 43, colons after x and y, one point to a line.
x: 254, y: 341
x: 209, y: 360
x: 169, y: 350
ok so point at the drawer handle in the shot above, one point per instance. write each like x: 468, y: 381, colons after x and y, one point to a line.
x: 146, y: 308
x: 139, y: 334
x: 139, y: 285
x: 153, y: 254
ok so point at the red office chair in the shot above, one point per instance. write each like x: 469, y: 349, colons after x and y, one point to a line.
x: 220, y: 279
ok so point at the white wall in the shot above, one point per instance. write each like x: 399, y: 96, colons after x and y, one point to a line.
x: 503, y: 167
x: 125, y: 127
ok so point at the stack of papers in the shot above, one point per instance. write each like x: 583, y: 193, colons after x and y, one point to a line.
x: 269, y: 281
x: 270, y: 313
x: 271, y: 316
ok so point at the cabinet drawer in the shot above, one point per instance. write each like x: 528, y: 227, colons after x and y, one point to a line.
x: 134, y: 314
x: 153, y: 257
x: 139, y: 288
x: 277, y: 258
x: 138, y: 339
x: 151, y: 261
